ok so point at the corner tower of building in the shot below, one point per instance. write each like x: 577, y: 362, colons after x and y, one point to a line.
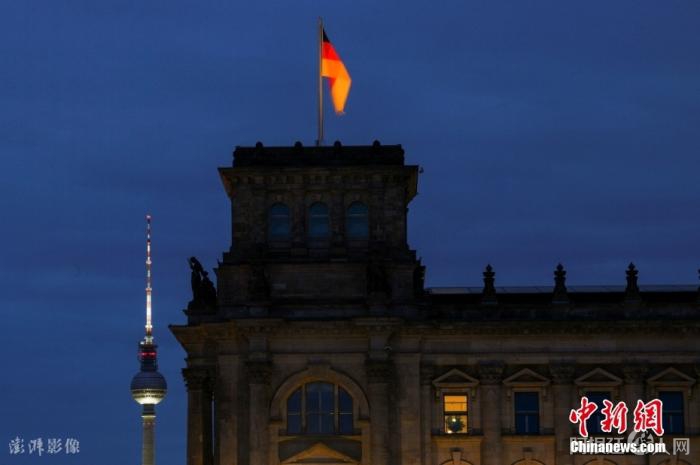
x: 318, y: 229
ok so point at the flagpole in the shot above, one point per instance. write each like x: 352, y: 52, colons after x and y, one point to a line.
x: 319, y: 141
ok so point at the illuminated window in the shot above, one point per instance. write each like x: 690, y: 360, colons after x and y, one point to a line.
x: 356, y: 221
x: 319, y: 224
x: 278, y: 222
x: 673, y: 414
x: 527, y: 412
x: 455, y: 413
x: 320, y: 408
x: 593, y: 423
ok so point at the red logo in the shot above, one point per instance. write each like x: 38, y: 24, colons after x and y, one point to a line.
x: 646, y: 416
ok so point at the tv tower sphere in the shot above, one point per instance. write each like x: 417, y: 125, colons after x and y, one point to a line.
x: 148, y: 387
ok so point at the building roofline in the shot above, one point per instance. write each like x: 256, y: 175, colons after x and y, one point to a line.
x: 326, y: 155
x: 586, y: 289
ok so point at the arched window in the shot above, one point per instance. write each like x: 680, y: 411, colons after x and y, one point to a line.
x: 278, y: 222
x: 320, y: 408
x: 356, y: 221
x: 319, y: 224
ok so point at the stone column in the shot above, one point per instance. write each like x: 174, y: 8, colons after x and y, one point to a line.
x: 427, y: 373
x: 562, y: 389
x: 226, y: 411
x: 259, y: 372
x: 199, y: 397
x: 490, y: 376
x: 409, y: 412
x: 634, y: 374
x: 379, y: 373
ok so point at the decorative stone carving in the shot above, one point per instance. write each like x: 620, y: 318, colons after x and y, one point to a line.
x: 419, y: 281
x: 203, y: 290
x: 197, y: 378
x: 259, y: 371
x: 379, y: 371
x: 488, y: 296
x: 560, y: 295
x: 258, y: 284
x: 562, y: 372
x: 634, y: 372
x: 491, y: 372
x: 632, y: 290
x: 377, y: 280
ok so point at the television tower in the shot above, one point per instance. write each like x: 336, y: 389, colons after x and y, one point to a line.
x: 148, y: 387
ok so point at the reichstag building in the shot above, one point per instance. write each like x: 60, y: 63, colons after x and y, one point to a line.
x: 315, y: 341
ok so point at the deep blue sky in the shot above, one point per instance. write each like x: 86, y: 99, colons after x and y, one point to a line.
x: 549, y: 131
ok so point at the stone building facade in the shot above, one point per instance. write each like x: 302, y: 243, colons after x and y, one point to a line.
x: 321, y: 344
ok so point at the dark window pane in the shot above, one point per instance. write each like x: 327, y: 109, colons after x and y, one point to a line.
x: 313, y: 424
x: 294, y: 424
x: 319, y: 225
x: 278, y: 221
x: 320, y: 412
x: 527, y: 412
x: 327, y: 423
x: 344, y: 401
x: 345, y: 423
x: 356, y: 222
x: 527, y: 424
x: 673, y: 400
x: 675, y: 425
x: 294, y: 402
x: 326, y: 396
x: 345, y: 413
x: 593, y: 423
x: 294, y: 413
x: 527, y: 402
x: 319, y: 408
x: 673, y: 411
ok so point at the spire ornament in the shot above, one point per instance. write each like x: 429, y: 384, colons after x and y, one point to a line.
x: 488, y: 296
x: 560, y: 295
x: 632, y: 289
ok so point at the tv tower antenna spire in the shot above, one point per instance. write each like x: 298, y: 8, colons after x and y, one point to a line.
x: 149, y: 325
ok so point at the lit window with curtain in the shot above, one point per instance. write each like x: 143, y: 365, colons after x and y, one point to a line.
x: 455, y: 413
x: 527, y: 412
x: 673, y: 412
x: 319, y: 222
x: 320, y: 408
x: 278, y: 222
x: 357, y: 221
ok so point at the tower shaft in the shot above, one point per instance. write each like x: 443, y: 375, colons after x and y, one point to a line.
x: 148, y: 450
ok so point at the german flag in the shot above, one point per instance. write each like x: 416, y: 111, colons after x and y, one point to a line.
x: 333, y: 68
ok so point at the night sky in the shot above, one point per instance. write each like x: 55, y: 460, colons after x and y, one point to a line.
x: 549, y: 131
